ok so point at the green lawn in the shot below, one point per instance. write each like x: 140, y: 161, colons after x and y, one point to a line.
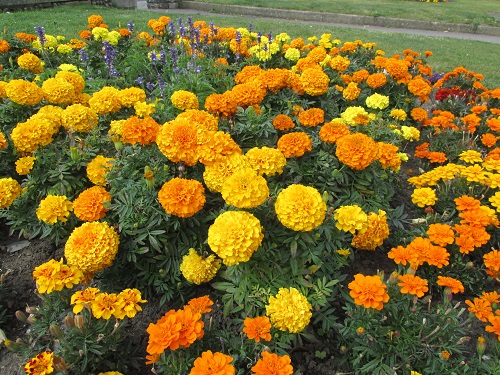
x: 456, y: 11
x: 448, y: 53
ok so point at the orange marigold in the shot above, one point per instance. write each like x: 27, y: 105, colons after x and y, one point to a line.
x: 178, y: 141
x: 283, y: 122
x: 492, y: 263
x: 376, y: 80
x: 182, y: 197
x: 90, y: 204
x: 368, y: 291
x: 213, y: 363
x: 221, y: 104
x: 332, y: 131
x: 258, y: 328
x: 312, y: 117
x: 315, y: 82
x: 200, y: 305
x: 136, y: 130
x: 419, y: 114
x: 481, y: 308
x: 273, y: 364
x: 294, y: 144
x: 356, y: 150
x: 420, y: 88
x: 374, y: 232
x: 413, y: 285
x: 441, y: 234
x: 454, y: 285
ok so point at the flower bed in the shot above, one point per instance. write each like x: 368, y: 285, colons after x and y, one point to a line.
x: 238, y: 177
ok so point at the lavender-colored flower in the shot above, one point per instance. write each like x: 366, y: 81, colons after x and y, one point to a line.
x: 171, y: 27
x: 83, y: 55
x: 174, y: 56
x: 41, y: 34
x: 259, y: 37
x: 238, y: 37
x: 250, y: 27
x: 163, y: 56
x: 150, y: 86
x: 109, y: 58
x: 270, y: 37
x: 139, y: 81
x: 131, y: 26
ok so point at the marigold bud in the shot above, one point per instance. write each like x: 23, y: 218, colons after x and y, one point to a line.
x: 21, y: 316
x: 59, y: 364
x: 31, y: 319
x: 481, y: 345
x: 69, y: 321
x: 79, y: 321
x: 56, y: 331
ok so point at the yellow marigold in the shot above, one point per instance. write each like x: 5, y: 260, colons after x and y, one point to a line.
x: 410, y: 133
x: 178, y: 141
x: 377, y: 101
x: 398, y: 114
x: 90, y: 204
x: 235, y: 236
x: 58, y: 91
x: 92, y: 247
x: 28, y: 136
x: 3, y: 142
x: 373, y: 233
x: 245, y: 189
x: 24, y: 165
x: 106, y: 100
x: 9, y: 191
x: 72, y: 77
x: 128, y: 303
x: 83, y: 299
x: 182, y: 197
x: 23, y: 92
x: 265, y: 160
x: 351, y: 92
x: 55, y: 276
x: 356, y: 150
x: 355, y: 116
x: 51, y: 113
x: 105, y: 305
x: 300, y: 208
x: 204, y: 121
x: 368, y: 291
x: 41, y: 364
x: 143, y: 109
x: 213, y: 146
x: 131, y: 95
x: 136, y: 130
x: 314, y: 81
x: 31, y: 62
x: 312, y: 117
x: 388, y: 155
x: 350, y: 218
x: 79, y: 118
x: 199, y: 270
x: 294, y: 144
x: 3, y: 94
x: 470, y: 156
x: 424, y: 197
x: 289, y: 310
x: 183, y: 100
x: 54, y: 208
x: 97, y: 169
x: 216, y: 174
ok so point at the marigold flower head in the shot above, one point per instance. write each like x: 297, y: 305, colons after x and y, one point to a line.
x: 92, y: 247
x: 350, y: 218
x: 41, y: 364
x: 97, y: 169
x: 90, y: 204
x: 339, y: 63
x: 294, y: 144
x: 373, y: 233
x: 198, y: 270
x: 235, y: 236
x: 314, y: 81
x: 356, y: 150
x: 79, y: 118
x: 204, y: 120
x: 265, y: 160
x: 300, y: 208
x: 128, y: 303
x: 58, y: 91
x: 83, y: 299
x: 494, y: 320
x: 412, y: 284
x: 214, y: 146
x: 403, y: 255
x: 257, y: 328
x: 289, y: 310
x: 454, y: 285
x: 283, y: 122
x: 410, y: 133
x: 273, y: 364
x: 54, y: 208
x: 24, y: 165
x: 23, y: 92
x: 388, y: 156
x: 312, y: 117
x: 223, y: 105
x: 420, y: 88
x: 492, y: 263
x: 351, y: 92
x: 178, y: 141
x: 368, y: 291
x: 216, y: 174
x: 136, y: 130
x: 481, y: 308
x: 3, y: 142
x: 441, y: 234
x: 419, y: 114
x: 183, y: 100
x: 423, y: 197
x: 94, y: 20
x: 201, y: 305
x: 376, y: 80
x: 105, y: 305
x: 213, y: 363
x: 245, y: 189
x: 55, y: 276
x: 131, y: 95
x: 489, y: 139
x: 470, y: 156
x: 105, y: 101
x: 355, y: 116
x: 330, y: 132
x: 466, y: 202
x: 72, y: 77
x: 377, y: 101
x: 182, y: 197
x: 10, y: 190
x: 30, y: 135
x: 31, y: 62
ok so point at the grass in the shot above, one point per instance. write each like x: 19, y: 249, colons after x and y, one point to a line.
x: 448, y: 53
x: 454, y: 11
